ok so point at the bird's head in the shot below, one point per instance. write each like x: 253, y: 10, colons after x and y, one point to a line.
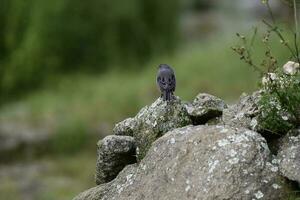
x: 164, y: 66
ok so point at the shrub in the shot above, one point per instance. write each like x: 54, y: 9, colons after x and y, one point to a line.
x: 279, y: 104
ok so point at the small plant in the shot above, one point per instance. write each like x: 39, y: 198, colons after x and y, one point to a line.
x: 279, y: 104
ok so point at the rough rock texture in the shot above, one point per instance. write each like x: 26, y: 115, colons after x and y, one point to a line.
x: 152, y: 122
x: 205, y: 107
x: 114, y: 153
x: 289, y: 156
x: 244, y: 113
x: 198, y: 162
x: 125, y: 127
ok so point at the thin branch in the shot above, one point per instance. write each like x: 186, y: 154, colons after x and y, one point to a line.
x: 296, y: 31
x: 270, y: 11
x: 253, y: 37
x: 295, y: 17
x: 296, y: 47
x: 275, y: 29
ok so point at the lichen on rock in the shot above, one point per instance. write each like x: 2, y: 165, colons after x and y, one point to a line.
x: 289, y: 156
x: 245, y: 113
x: 152, y: 122
x: 113, y: 154
x: 204, y: 108
x: 199, y: 162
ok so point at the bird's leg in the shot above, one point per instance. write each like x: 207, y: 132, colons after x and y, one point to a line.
x: 172, y: 95
x: 165, y: 95
x: 169, y: 96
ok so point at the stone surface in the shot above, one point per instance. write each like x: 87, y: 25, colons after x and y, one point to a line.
x: 114, y: 153
x: 289, y: 156
x: 125, y: 127
x: 198, y: 162
x: 204, y: 108
x: 244, y: 113
x: 152, y: 122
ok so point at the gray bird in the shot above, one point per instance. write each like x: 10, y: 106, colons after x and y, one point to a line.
x: 166, y: 81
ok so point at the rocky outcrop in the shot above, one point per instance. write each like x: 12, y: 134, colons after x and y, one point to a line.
x: 114, y: 153
x: 152, y: 122
x: 204, y: 108
x: 198, y: 162
x: 226, y: 158
x: 289, y: 156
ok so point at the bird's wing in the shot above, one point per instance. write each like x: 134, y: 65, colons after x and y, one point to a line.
x: 159, y: 82
x: 173, y: 83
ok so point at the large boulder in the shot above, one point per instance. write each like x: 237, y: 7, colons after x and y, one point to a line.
x: 114, y: 153
x: 152, y: 122
x: 198, y: 162
x: 204, y: 108
x: 289, y: 156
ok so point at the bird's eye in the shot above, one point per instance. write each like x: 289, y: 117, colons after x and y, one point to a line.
x: 158, y: 78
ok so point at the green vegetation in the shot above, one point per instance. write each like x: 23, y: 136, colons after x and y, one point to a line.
x: 42, y: 39
x: 49, y: 178
x: 280, y: 111
x: 279, y: 105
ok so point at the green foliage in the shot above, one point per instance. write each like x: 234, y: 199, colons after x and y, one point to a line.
x: 40, y: 39
x: 69, y: 138
x: 279, y: 104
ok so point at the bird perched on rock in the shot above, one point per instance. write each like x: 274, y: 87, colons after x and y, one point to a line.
x: 166, y: 81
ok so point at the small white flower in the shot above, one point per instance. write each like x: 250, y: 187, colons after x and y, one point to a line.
x: 285, y: 118
x: 259, y: 195
x: 272, y: 76
x: 276, y: 186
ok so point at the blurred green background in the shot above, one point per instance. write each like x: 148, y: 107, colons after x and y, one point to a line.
x: 69, y: 70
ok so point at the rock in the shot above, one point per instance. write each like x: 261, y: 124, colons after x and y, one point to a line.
x: 289, y: 156
x: 114, y: 153
x: 125, y: 127
x: 152, y: 122
x: 198, y: 162
x: 204, y: 108
x: 291, y: 68
x: 245, y: 113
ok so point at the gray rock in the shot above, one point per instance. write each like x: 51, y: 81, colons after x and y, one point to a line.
x: 114, y: 153
x: 198, y: 162
x: 204, y: 108
x: 245, y: 113
x: 125, y: 127
x: 152, y: 122
x: 289, y: 156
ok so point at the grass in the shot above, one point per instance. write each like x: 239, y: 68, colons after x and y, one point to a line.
x: 49, y: 178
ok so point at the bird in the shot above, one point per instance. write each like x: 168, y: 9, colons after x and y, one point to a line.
x: 166, y: 81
